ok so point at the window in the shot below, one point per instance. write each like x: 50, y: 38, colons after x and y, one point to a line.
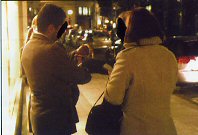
x: 85, y: 11
x: 80, y: 10
x: 89, y: 11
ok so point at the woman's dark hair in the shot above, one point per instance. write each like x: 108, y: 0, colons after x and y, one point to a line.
x: 142, y: 24
x: 50, y: 14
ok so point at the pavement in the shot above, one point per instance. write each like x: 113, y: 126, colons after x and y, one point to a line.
x: 184, y: 113
x: 189, y: 92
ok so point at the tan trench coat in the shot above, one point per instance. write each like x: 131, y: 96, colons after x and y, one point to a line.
x: 50, y: 74
x: 143, y: 80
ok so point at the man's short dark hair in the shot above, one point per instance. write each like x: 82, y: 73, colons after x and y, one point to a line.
x: 50, y: 14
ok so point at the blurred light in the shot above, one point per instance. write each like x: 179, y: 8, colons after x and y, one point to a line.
x: 112, y: 47
x: 69, y: 26
x: 188, y: 72
x: 111, y: 22
x: 106, y: 21
x: 107, y: 39
x: 192, y: 65
x: 99, y: 21
x: 114, y: 25
x: 70, y: 12
x: 86, y: 31
x: 180, y: 14
x: 85, y: 37
x: 85, y: 11
x: 75, y: 25
x: 149, y: 7
x: 85, y: 34
x: 80, y: 10
x: 90, y: 31
x: 188, y: 76
x: 118, y: 41
x: 89, y: 11
x: 35, y: 11
x: 105, y: 26
x: 104, y: 46
x: 30, y: 9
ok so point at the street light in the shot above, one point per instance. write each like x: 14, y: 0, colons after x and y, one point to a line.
x: 70, y: 12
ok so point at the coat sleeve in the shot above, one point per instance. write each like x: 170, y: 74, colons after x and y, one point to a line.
x: 67, y: 70
x: 119, y: 81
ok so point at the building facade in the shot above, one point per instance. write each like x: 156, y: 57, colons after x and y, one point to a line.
x: 80, y: 12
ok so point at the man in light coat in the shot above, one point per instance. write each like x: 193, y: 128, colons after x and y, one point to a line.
x: 143, y: 78
x: 50, y: 74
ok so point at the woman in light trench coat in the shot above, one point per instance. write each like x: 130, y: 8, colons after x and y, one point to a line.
x: 143, y: 78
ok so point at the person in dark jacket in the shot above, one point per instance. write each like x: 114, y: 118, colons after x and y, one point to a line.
x: 51, y: 75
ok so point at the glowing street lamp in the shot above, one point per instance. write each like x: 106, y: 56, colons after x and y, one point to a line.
x: 70, y: 12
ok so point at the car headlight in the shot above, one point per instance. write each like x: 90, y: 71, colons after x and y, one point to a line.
x: 118, y: 42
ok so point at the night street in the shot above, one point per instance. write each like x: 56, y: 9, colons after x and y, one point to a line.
x: 154, y: 42
x: 189, y: 93
x: 184, y: 109
x: 185, y: 113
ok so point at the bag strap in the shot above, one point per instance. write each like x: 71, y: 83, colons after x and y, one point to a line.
x: 98, y: 99
x: 101, y: 94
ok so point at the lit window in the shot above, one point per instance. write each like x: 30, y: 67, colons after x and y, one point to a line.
x: 89, y: 11
x: 80, y: 10
x: 85, y: 11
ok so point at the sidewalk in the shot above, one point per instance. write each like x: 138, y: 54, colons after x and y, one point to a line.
x: 185, y: 114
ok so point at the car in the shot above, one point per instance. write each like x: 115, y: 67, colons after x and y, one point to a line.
x: 99, y: 41
x: 185, y: 49
x: 75, y: 37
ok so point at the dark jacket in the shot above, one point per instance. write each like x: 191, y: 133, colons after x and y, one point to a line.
x: 51, y: 74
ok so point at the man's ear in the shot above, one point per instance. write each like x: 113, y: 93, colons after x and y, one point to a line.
x: 51, y: 28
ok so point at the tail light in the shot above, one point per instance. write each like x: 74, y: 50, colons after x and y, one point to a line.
x: 185, y: 59
x: 188, y: 63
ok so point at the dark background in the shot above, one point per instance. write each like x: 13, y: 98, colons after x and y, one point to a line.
x: 177, y: 17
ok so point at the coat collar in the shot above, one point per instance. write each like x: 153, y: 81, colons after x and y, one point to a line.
x: 144, y: 42
x: 41, y: 36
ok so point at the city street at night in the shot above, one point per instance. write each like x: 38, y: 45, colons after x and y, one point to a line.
x: 149, y: 47
x: 189, y: 93
x: 184, y: 112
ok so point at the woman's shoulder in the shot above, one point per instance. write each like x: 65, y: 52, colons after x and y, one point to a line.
x: 126, y: 52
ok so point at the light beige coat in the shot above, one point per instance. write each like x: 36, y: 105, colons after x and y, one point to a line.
x: 143, y: 80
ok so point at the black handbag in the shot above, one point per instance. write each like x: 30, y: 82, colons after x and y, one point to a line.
x: 104, y: 119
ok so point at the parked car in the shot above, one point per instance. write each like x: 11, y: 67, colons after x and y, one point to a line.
x: 186, y: 52
x: 101, y: 43
x: 75, y: 37
x: 103, y: 47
